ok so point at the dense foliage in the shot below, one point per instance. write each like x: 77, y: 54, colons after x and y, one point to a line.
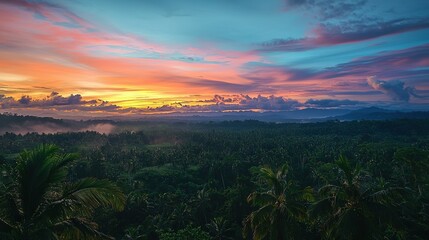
x: 234, y: 180
x: 36, y: 202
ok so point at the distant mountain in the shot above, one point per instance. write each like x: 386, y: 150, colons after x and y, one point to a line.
x: 303, y: 115
x: 374, y: 113
x: 28, y: 124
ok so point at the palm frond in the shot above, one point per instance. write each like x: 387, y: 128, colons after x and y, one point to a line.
x: 388, y: 195
x: 79, y: 228
x: 321, y: 208
x: 9, y: 207
x: 283, y: 171
x: 328, y: 189
x: 37, y: 171
x: 267, y: 175
x: 94, y: 193
x: 348, y: 170
x: 5, y: 228
x: 261, y: 216
x: 260, y: 199
x: 308, y: 194
x: 31, y: 203
x: 295, y: 211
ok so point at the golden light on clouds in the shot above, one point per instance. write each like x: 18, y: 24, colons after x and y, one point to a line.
x: 10, y: 77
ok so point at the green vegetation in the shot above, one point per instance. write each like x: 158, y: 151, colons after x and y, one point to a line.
x: 280, y: 209
x: 37, y: 203
x: 229, y: 180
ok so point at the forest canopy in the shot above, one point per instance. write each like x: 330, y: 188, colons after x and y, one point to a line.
x: 230, y: 180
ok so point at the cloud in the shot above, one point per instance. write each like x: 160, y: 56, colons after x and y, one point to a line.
x: 395, y: 89
x: 25, y: 100
x: 76, y: 103
x: 405, y: 65
x: 54, y: 13
x: 328, y: 9
x: 269, y: 103
x: 73, y: 107
x: 349, y: 79
x: 239, y: 103
x: 354, y: 32
x: 329, y: 34
x: 408, y: 64
x: 218, y: 99
x: 215, y: 84
x: 107, y: 56
x: 57, y: 102
x: 56, y: 99
x: 334, y: 9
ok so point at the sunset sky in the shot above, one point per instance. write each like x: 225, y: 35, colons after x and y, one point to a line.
x: 102, y: 58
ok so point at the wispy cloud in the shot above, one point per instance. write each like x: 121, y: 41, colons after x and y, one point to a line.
x: 330, y: 34
x: 328, y: 9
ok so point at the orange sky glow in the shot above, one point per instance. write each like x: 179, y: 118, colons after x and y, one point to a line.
x: 47, y: 48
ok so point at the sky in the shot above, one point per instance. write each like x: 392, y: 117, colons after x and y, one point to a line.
x: 112, y: 57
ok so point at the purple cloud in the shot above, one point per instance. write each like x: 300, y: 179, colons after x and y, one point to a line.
x: 269, y: 103
x: 407, y: 64
x: 400, y: 65
x: 57, y: 102
x: 63, y: 16
x: 25, y: 100
x: 395, y: 89
x: 329, y: 34
x: 217, y: 104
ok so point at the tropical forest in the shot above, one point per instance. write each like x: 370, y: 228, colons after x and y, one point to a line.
x: 218, y: 180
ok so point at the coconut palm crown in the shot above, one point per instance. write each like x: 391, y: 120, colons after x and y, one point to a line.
x: 37, y: 201
x: 280, y: 208
x: 355, y: 207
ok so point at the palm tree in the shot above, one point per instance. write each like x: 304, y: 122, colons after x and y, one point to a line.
x: 36, y: 201
x: 202, y: 204
x: 280, y: 208
x: 219, y: 229
x: 353, y: 209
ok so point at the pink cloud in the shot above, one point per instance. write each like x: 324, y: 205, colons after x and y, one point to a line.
x: 59, y: 57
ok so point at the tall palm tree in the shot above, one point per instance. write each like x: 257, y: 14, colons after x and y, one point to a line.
x: 36, y: 201
x: 280, y: 208
x: 354, y: 208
